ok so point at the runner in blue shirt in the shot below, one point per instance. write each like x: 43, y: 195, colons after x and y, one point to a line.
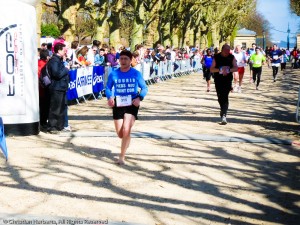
x: 129, y: 90
x: 275, y: 58
x: 206, y: 62
x: 250, y: 52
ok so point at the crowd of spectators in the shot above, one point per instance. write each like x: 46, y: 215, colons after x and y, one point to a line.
x: 104, y: 55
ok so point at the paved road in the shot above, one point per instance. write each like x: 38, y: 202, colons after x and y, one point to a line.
x: 183, y: 167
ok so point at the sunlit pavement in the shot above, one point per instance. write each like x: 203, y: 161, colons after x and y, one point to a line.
x: 182, y: 167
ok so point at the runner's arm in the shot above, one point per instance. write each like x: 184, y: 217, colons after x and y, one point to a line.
x: 213, y: 68
x: 144, y: 88
x: 109, y: 85
x: 234, y: 66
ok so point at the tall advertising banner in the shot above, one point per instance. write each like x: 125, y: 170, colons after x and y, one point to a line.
x: 19, y: 106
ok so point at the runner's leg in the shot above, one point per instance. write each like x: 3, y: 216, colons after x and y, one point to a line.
x: 255, y: 72
x: 123, y: 129
x: 241, y: 76
x: 274, y: 72
x: 235, y: 77
x: 258, y: 75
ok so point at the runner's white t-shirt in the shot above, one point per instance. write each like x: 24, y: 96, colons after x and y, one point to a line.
x: 240, y: 57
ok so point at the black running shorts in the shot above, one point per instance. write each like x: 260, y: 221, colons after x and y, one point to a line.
x: 118, y: 112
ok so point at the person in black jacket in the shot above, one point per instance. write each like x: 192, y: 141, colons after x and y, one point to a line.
x: 60, y: 80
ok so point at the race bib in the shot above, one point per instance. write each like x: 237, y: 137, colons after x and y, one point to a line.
x: 275, y: 57
x: 122, y: 101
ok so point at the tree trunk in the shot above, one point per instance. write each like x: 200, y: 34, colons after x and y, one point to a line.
x: 114, y: 37
x: 69, y: 15
x: 138, y: 26
x: 114, y: 24
x: 191, y: 38
x: 215, y: 35
x: 100, y: 32
x: 175, y: 38
x: 204, y: 38
x: 166, y: 35
x: 100, y: 16
x: 197, y: 38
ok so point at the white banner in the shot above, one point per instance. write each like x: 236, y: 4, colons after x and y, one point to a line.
x: 84, y: 82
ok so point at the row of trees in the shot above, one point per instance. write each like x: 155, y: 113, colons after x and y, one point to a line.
x: 199, y: 22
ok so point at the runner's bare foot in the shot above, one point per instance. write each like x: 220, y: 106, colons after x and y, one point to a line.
x: 120, y: 162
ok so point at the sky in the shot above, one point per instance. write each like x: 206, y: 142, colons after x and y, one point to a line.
x: 277, y: 12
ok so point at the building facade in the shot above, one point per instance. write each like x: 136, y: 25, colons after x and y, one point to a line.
x: 245, y: 38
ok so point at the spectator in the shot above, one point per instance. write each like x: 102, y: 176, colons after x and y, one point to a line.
x: 118, y: 52
x: 82, y: 56
x: 106, y: 51
x: 135, y: 62
x: 60, y: 39
x: 43, y: 46
x: 100, y: 59
x: 97, y: 44
x: 49, y: 48
x: 111, y: 58
x: 72, y: 54
x: 58, y: 88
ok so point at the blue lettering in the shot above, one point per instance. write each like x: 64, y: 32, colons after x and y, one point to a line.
x: 84, y: 80
x: 97, y: 79
x: 78, y: 82
x: 72, y: 85
x: 89, y: 79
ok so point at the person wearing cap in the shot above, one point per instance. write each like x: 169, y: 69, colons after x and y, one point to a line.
x: 223, y: 65
x: 257, y: 59
x: 129, y: 90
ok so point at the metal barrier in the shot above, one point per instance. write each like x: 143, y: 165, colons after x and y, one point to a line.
x: 157, y: 72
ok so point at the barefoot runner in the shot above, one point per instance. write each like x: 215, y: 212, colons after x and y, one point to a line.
x: 129, y: 90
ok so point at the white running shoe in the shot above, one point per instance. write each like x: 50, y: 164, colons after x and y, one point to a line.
x: 235, y: 89
x: 239, y: 89
x: 224, y: 121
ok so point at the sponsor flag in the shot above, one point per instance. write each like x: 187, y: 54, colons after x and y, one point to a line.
x: 98, y: 76
x: 72, y: 91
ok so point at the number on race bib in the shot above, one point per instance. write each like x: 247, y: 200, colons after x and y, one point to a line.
x: 122, y: 101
